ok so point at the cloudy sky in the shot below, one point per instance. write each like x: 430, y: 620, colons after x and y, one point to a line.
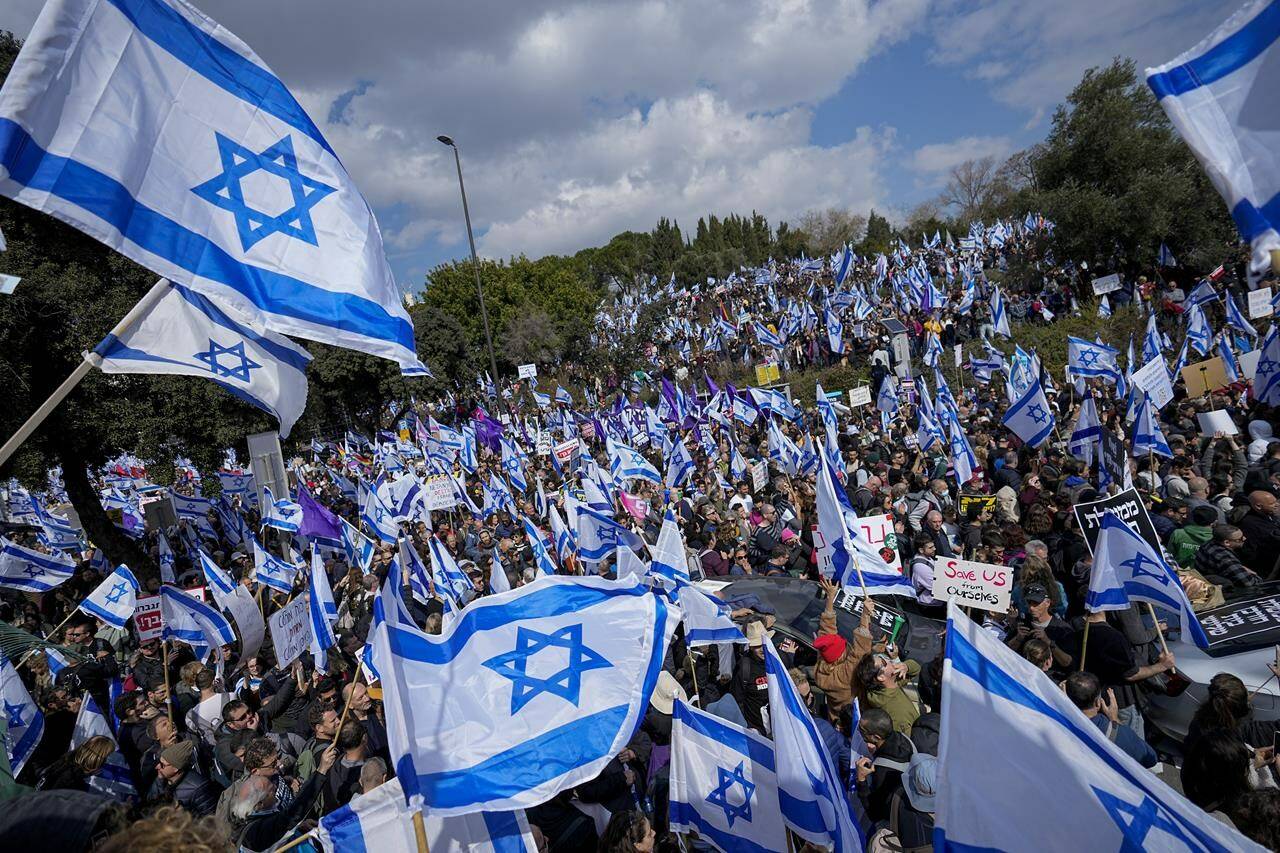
x: 577, y: 120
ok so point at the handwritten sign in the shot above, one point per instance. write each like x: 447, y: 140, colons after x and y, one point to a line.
x: 527, y: 371
x: 860, y: 396
x: 886, y: 623
x: 981, y: 585
x: 1260, y: 303
x: 438, y: 493
x: 879, y: 532
x: 290, y: 631
x: 759, y: 476
x: 1153, y: 377
x: 1106, y: 284
x: 1128, y: 506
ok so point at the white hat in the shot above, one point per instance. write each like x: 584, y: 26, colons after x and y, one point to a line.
x: 666, y: 692
x: 755, y: 633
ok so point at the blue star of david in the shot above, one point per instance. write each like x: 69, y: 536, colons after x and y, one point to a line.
x: 1142, y: 818
x: 14, y: 713
x: 1135, y: 565
x: 957, y: 446
x: 117, y: 593
x: 1266, y: 365
x: 720, y: 796
x: 32, y: 572
x: 217, y: 368
x: 225, y: 191
x: 1037, y: 413
x: 567, y: 683
x: 1088, y: 357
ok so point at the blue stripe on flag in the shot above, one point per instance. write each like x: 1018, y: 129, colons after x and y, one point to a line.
x: 1226, y: 57
x: 219, y: 64
x: 106, y: 198
x: 713, y: 729
x: 684, y: 814
x: 344, y: 830
x: 504, y: 832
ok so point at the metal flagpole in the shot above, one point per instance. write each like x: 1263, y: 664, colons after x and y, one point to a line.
x: 82, y: 370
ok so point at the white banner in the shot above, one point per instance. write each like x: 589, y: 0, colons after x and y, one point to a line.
x: 1106, y: 284
x: 981, y: 585
x: 290, y: 631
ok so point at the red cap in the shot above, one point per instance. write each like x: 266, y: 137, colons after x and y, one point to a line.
x: 830, y: 646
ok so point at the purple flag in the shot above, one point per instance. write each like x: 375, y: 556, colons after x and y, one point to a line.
x: 317, y: 521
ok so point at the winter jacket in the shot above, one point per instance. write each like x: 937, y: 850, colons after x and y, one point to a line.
x: 836, y: 679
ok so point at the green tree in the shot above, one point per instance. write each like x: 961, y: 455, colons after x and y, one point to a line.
x: 1113, y: 174
x: 878, y: 237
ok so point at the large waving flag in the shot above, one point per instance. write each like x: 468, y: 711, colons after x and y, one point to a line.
x: 723, y: 783
x: 220, y: 584
x: 1089, y: 359
x: 547, y: 683
x: 377, y: 516
x: 1030, y: 418
x: 767, y: 337
x: 599, y: 535
x: 998, y: 711
x: 213, y: 176
x: 679, y: 465
x: 187, y: 334
x: 271, y: 570
x: 189, y: 620
x: 1266, y: 381
x: 114, y: 778
x: 1147, y: 435
x: 280, y: 513
x: 357, y: 547
x: 811, y: 793
x: 670, y: 566
x: 626, y: 463
x: 1143, y: 574
x: 30, y: 570
x: 23, y: 717
x: 853, y: 560
x: 380, y: 820
x: 114, y: 599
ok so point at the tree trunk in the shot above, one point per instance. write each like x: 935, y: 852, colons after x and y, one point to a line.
x: 118, y: 547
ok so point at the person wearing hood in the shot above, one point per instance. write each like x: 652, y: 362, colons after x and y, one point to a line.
x: 837, y: 657
x: 1262, y: 437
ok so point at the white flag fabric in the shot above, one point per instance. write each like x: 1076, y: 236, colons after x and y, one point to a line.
x: 114, y: 779
x: 114, y: 599
x: 1220, y: 97
x: 706, y: 620
x: 1017, y: 760
x: 219, y: 582
x: 545, y: 684
x: 670, y: 565
x: 723, y: 783
x: 280, y: 513
x: 30, y: 570
x: 272, y: 571
x: 153, y: 129
x: 187, y: 334
x: 191, y: 621
x: 380, y: 822
x: 23, y: 718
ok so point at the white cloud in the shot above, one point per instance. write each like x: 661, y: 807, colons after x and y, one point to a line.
x: 932, y: 162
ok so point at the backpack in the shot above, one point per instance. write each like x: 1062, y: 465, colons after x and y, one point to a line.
x: 886, y: 839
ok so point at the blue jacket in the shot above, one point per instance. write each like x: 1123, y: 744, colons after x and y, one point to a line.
x: 1127, y: 739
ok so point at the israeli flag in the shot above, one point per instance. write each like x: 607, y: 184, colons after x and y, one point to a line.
x: 377, y: 517
x: 195, y: 510
x: 1144, y: 574
x: 450, y: 581
x: 707, y: 620
x: 1164, y: 257
x: 564, y: 536
x: 1000, y: 315
x: 599, y: 535
x: 213, y: 175
x: 220, y: 584
x: 186, y: 334
x: 345, y: 486
x: 323, y: 612
x: 114, y: 599
x: 854, y: 562
x: 1089, y: 359
x: 723, y: 783
x: 549, y: 682
x: 32, y: 571
x: 1104, y: 306
x: 846, y: 261
x: 998, y: 712
x: 1030, y: 418
x: 1266, y: 380
x: 811, y: 792
x: 766, y: 337
x: 962, y: 458
x: 626, y: 464
x: 114, y: 779
x: 1147, y: 435
x: 1106, y: 592
x: 1236, y: 318
x: 670, y: 566
x: 679, y: 465
x: 191, y: 621
x: 380, y: 820
x: 55, y: 530
x: 357, y: 547
x: 24, y: 721
x: 538, y: 545
x: 887, y: 399
x: 1230, y: 365
x: 272, y: 571
x: 282, y: 514
x: 166, y: 558
x: 1087, y: 433
x: 1198, y: 332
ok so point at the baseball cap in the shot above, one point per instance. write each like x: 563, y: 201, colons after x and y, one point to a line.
x: 1034, y: 593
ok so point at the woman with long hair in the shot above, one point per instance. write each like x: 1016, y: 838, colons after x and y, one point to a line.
x: 627, y: 832
x: 1227, y: 708
x: 72, y: 771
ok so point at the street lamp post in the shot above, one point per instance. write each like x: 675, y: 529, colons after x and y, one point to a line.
x: 475, y: 265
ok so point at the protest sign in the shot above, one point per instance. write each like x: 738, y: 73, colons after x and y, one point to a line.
x: 1106, y: 284
x: 759, y: 475
x: 565, y: 451
x: 887, y: 622
x: 249, y: 625
x: 291, y: 631
x: 1260, y: 303
x: 878, y: 530
x: 438, y: 492
x: 957, y: 353
x: 981, y: 585
x: 1114, y: 458
x: 543, y: 445
x: 860, y: 396
x: 1128, y: 507
x: 527, y: 371
x: 1153, y: 377
x: 1241, y: 623
x: 1217, y: 421
x: 766, y: 373
x: 147, y: 621
x: 1204, y: 376
x: 983, y: 501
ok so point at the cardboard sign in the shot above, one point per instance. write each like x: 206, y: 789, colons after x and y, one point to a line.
x: 888, y: 622
x: 543, y: 445
x: 527, y: 371
x: 983, y: 501
x: 860, y: 396
x: 438, y: 493
x: 1204, y: 376
x: 290, y: 631
x: 759, y: 475
x: 1260, y: 303
x: 1106, y: 284
x: 1128, y: 506
x: 1153, y: 377
x: 981, y: 585
x: 1218, y: 420
x: 878, y: 530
